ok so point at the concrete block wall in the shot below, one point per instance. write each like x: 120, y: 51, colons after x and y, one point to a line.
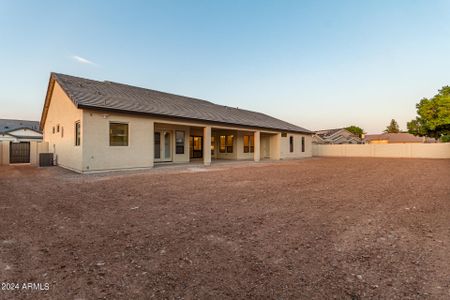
x: 407, y: 150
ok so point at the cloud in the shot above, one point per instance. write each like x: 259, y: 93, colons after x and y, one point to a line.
x: 83, y: 60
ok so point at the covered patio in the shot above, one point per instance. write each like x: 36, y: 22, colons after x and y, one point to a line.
x: 176, y: 142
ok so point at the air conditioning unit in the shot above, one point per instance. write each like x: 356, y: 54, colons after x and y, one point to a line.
x: 45, y: 159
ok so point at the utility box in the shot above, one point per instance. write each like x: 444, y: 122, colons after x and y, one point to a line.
x: 45, y: 159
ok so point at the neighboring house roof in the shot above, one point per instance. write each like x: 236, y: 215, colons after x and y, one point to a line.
x: 7, y: 125
x: 111, y: 96
x: 328, y: 132
x: 336, y: 136
x: 401, y: 137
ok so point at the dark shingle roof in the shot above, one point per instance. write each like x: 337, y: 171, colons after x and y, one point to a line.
x: 7, y: 125
x: 86, y: 93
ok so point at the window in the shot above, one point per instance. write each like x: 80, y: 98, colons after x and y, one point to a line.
x: 213, y: 145
x: 283, y: 134
x: 226, y: 143
x: 303, y: 144
x: 77, y: 134
x: 157, y: 139
x: 222, y: 144
x: 62, y: 131
x: 179, y: 142
x: 53, y: 129
x: 230, y: 139
x: 118, y: 134
x: 57, y: 128
x: 249, y: 143
x: 291, y: 144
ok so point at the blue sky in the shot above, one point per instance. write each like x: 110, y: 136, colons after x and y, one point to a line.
x: 317, y: 64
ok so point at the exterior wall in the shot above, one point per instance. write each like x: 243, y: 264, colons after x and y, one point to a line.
x: 62, y: 111
x: 265, y: 151
x: 234, y: 155
x: 297, y: 153
x: 240, y: 154
x: 5, y: 153
x: 35, y: 149
x: 98, y: 155
x: 411, y: 150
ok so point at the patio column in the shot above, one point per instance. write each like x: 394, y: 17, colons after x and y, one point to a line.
x: 207, y: 145
x: 257, y: 146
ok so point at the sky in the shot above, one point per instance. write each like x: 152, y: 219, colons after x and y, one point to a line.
x: 316, y: 64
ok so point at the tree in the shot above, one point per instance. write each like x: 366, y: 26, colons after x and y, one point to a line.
x: 355, y: 130
x: 392, y: 127
x: 433, y: 118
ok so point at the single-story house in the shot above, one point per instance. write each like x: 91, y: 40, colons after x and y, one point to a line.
x: 18, y: 141
x: 396, y: 138
x: 94, y: 125
x: 335, y: 136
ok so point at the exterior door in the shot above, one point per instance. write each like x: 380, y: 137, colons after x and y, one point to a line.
x: 19, y: 153
x: 196, y: 145
x: 163, y: 146
x: 167, y: 146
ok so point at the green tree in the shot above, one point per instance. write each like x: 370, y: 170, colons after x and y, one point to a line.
x: 392, y: 127
x: 433, y: 118
x: 355, y: 130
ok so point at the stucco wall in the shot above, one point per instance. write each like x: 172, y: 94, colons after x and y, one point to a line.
x: 36, y: 147
x: 62, y: 111
x: 297, y: 153
x: 4, y: 152
x: 98, y: 155
x: 412, y: 150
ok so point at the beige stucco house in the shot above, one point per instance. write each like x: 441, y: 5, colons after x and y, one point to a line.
x: 100, y: 125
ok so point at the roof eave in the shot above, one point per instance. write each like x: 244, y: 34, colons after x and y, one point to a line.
x: 81, y: 106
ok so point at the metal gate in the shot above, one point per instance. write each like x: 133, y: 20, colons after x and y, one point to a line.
x: 19, y: 153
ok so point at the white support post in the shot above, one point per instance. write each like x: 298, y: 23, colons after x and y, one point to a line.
x: 207, y: 145
x: 257, y: 146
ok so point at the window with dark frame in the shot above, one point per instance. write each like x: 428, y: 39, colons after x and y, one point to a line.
x: 157, y: 141
x: 230, y: 140
x: 303, y: 144
x: 118, y: 134
x: 179, y: 142
x: 213, y: 145
x: 77, y: 134
x: 222, y: 148
x: 226, y: 143
x: 249, y: 143
x: 291, y: 144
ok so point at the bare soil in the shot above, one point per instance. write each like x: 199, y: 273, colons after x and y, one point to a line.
x: 344, y: 228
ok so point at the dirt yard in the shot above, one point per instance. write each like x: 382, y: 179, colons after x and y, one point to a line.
x: 343, y: 228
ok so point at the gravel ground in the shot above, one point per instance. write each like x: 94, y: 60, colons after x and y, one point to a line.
x: 344, y: 228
